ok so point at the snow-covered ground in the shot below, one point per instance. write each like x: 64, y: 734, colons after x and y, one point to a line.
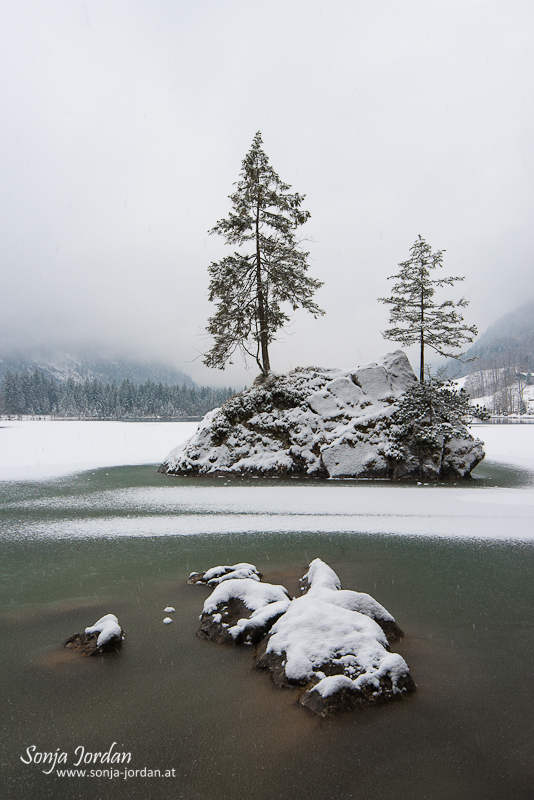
x: 508, y: 443
x: 35, y: 449
x: 513, y: 397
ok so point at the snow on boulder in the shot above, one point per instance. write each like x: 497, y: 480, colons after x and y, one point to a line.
x: 107, y: 627
x: 351, y: 459
x: 215, y: 575
x: 322, y: 423
x: 241, y: 609
x: 331, y: 642
x: 321, y: 580
x: 460, y: 456
x: 106, y: 634
x: 340, y: 395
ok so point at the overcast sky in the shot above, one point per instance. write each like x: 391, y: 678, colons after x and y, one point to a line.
x: 124, y: 124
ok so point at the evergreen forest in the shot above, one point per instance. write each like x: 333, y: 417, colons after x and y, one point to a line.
x: 35, y: 394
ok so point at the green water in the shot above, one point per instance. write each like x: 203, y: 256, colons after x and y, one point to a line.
x: 177, y: 702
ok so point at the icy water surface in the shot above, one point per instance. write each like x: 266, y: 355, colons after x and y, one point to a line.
x: 452, y: 563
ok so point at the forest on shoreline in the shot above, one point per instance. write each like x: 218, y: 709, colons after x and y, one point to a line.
x: 35, y: 394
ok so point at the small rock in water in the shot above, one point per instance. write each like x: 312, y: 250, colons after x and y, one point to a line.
x: 334, y: 643
x: 242, y: 610
x: 167, y: 620
x: 216, y: 575
x: 168, y: 610
x: 106, y: 634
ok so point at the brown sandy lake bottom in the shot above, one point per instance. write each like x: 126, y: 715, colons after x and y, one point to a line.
x: 176, y: 702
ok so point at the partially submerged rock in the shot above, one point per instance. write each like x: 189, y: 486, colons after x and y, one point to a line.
x: 216, y: 575
x: 330, y: 642
x: 323, y: 423
x: 242, y: 610
x: 105, y: 635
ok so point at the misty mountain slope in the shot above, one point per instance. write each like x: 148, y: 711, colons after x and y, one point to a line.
x: 83, y: 365
x: 499, y: 376
x: 508, y: 342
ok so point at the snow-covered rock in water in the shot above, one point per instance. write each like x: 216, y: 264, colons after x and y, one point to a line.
x: 215, y: 575
x: 324, y: 423
x: 330, y: 641
x: 106, y: 634
x: 325, y: 583
x: 242, y: 610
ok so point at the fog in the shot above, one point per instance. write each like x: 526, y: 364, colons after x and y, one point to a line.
x: 124, y: 125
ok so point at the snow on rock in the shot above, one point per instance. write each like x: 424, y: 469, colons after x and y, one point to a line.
x: 240, y: 608
x: 107, y: 627
x: 215, y: 575
x: 317, y: 423
x: 254, y: 594
x: 346, y: 459
x: 331, y: 642
x: 252, y: 629
x: 323, y: 581
x: 106, y: 634
x: 460, y: 456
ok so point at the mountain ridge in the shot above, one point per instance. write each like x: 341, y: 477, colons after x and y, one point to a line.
x: 86, y: 365
x: 509, y: 341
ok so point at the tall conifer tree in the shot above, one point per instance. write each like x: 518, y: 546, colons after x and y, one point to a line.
x: 415, y: 317
x: 270, y: 269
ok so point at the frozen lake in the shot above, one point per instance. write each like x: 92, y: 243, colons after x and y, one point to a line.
x: 496, y: 504
x: 452, y: 562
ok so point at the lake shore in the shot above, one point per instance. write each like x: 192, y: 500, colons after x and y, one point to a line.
x: 36, y: 449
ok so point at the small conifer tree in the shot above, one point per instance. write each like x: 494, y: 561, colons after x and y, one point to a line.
x: 427, y: 417
x: 415, y: 317
x: 269, y: 270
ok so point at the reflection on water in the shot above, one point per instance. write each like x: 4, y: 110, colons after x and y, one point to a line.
x: 175, y: 701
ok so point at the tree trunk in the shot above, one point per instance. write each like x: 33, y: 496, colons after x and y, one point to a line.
x: 422, y: 339
x: 262, y: 315
x: 422, y: 361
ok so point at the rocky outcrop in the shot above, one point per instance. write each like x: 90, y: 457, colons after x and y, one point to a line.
x: 324, y: 423
x: 330, y: 643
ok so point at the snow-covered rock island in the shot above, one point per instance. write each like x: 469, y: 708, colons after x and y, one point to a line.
x: 327, y: 423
